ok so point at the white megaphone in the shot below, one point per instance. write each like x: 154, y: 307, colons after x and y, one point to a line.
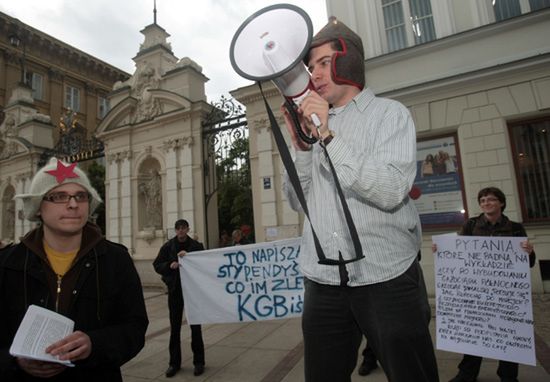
x: 270, y: 45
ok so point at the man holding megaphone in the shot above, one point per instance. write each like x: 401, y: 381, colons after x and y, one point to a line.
x: 380, y: 292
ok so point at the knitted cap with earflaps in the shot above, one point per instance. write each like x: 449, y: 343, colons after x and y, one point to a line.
x: 348, y: 63
x: 52, y: 175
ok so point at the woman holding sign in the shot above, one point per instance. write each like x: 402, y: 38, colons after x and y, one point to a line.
x: 492, y: 222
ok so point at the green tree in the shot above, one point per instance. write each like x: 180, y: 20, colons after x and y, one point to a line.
x: 234, y: 190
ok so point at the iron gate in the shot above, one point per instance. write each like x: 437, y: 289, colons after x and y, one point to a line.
x: 72, y: 146
x: 228, y: 194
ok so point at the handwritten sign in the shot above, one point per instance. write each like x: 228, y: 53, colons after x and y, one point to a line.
x: 483, y: 297
x: 243, y: 283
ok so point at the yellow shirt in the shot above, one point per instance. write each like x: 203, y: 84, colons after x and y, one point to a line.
x: 59, y: 261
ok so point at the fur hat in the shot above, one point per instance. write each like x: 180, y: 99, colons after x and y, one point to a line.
x: 54, y: 174
x: 348, y: 63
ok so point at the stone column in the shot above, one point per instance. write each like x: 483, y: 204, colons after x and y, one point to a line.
x: 267, y: 196
x: 187, y: 192
x: 22, y: 225
x: 171, y: 148
x: 112, y: 207
x: 125, y: 191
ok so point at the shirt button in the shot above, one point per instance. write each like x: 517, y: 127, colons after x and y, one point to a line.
x: 74, y: 291
x: 87, y: 265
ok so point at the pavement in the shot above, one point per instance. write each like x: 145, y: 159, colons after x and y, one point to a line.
x: 272, y: 351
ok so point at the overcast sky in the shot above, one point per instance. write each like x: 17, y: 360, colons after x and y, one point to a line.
x: 109, y: 30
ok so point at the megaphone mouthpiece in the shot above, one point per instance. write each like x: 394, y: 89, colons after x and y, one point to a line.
x: 270, y: 45
x: 268, y: 29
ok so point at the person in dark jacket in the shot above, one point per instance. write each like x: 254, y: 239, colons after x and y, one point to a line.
x: 166, y: 264
x: 66, y: 265
x: 492, y: 222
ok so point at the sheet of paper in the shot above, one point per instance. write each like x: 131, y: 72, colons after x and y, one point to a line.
x: 39, y: 329
x: 483, y: 297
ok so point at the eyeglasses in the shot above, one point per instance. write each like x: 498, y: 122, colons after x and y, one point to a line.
x: 488, y: 200
x: 63, y: 197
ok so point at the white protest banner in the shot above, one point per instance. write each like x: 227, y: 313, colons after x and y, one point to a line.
x: 243, y: 283
x: 483, y: 297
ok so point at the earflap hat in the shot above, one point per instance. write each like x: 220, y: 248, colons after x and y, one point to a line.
x: 52, y: 175
x: 348, y: 63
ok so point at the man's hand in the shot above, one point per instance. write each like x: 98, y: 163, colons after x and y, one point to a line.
x: 526, y: 246
x: 182, y: 253
x: 39, y: 369
x: 174, y: 265
x: 314, y: 104
x: 298, y: 143
x: 74, y: 347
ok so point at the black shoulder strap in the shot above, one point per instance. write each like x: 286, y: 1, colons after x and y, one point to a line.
x: 295, y: 181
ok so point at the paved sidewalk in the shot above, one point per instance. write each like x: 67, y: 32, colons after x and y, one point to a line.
x: 272, y: 351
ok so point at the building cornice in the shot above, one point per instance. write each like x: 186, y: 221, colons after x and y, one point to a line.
x: 48, y: 50
x: 472, y: 78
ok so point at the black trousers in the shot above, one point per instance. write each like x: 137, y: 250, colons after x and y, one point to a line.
x: 470, y: 365
x: 394, y: 315
x: 175, y: 307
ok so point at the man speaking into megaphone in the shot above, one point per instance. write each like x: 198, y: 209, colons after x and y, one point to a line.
x: 371, y: 144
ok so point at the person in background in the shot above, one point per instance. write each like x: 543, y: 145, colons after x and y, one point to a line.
x: 66, y: 265
x: 491, y: 222
x: 372, y: 144
x: 238, y: 238
x: 225, y: 239
x: 167, y: 265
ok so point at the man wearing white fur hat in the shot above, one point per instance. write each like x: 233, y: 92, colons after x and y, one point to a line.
x: 66, y: 265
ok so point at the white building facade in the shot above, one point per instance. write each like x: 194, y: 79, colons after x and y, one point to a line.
x: 475, y: 75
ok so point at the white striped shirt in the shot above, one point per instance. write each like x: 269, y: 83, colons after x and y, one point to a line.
x: 374, y: 154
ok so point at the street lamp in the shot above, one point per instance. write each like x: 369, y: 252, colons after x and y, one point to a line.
x: 16, y: 42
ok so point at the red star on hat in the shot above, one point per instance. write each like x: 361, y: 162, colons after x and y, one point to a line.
x: 62, y: 172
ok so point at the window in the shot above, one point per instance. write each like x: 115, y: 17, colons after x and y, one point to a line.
x: 35, y: 81
x: 538, y: 4
x: 407, y: 22
x: 505, y: 9
x: 103, y: 107
x: 422, y: 21
x: 394, y: 24
x: 72, y: 98
x: 531, y: 148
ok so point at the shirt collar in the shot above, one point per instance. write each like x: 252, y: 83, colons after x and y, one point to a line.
x: 361, y: 101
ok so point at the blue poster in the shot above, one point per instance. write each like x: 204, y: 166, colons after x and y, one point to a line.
x: 438, y: 185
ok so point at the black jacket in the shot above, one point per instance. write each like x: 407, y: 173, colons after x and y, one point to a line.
x: 169, y: 253
x: 101, y: 292
x: 479, y: 226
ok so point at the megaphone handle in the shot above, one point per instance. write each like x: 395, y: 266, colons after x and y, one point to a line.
x: 291, y: 108
x: 316, y: 121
